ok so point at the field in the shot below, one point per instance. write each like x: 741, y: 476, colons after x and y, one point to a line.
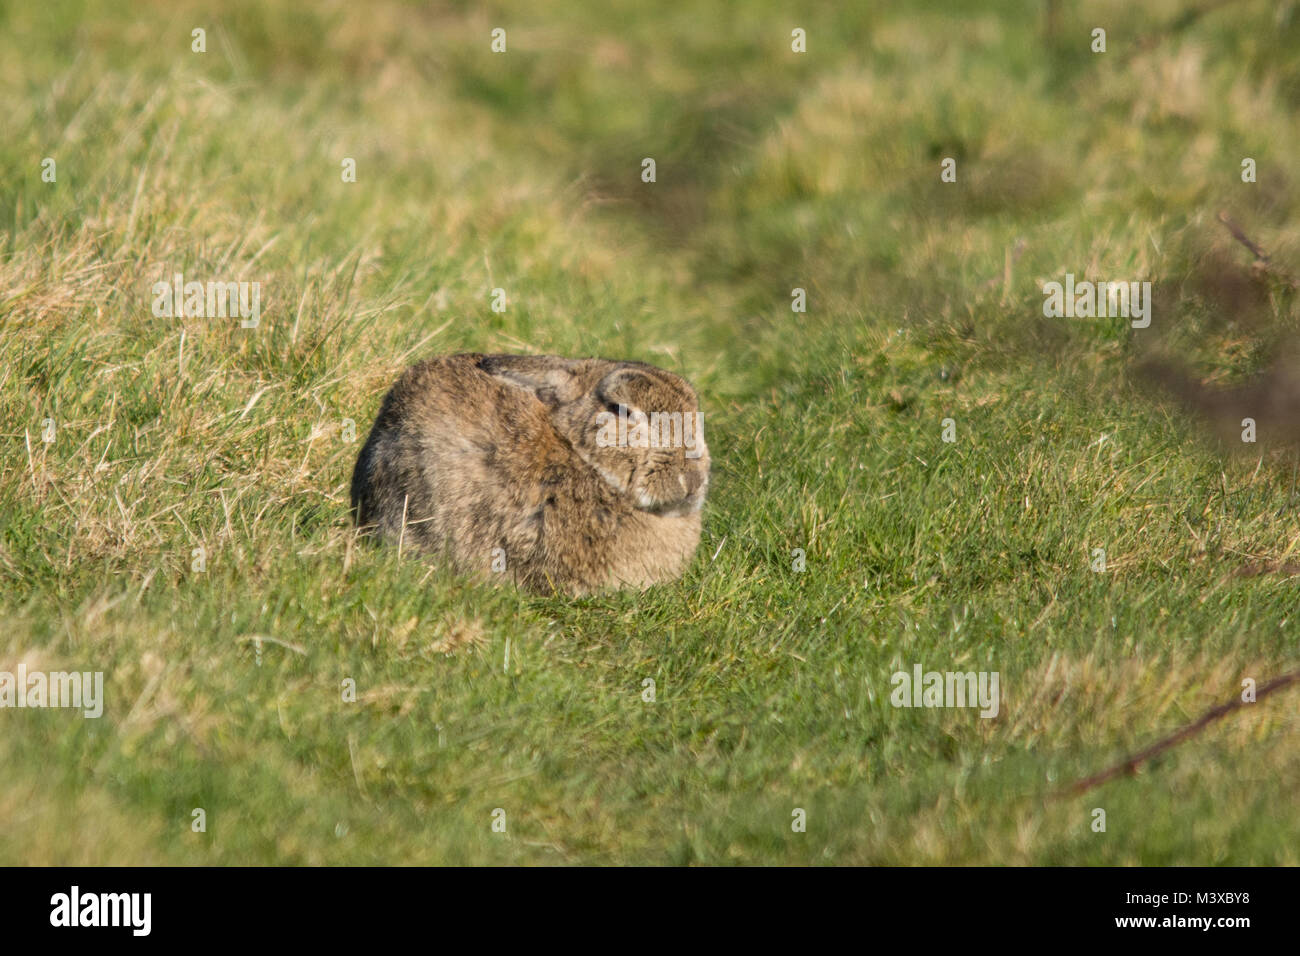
x: 174, y: 490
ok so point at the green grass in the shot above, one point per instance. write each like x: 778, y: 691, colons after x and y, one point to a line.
x: 521, y: 171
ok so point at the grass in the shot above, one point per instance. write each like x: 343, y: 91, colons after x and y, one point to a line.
x: 775, y: 170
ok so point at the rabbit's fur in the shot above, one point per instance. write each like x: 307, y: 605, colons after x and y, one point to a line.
x: 495, y: 458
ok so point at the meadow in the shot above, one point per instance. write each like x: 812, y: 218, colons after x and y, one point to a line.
x: 174, y: 490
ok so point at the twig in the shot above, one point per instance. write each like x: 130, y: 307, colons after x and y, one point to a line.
x: 1262, y: 263
x: 1255, y: 249
x: 1129, y: 764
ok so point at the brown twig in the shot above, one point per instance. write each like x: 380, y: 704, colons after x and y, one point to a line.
x: 1261, y: 264
x: 1256, y: 250
x: 1131, y: 763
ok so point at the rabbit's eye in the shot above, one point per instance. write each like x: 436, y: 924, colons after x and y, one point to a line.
x: 612, y: 407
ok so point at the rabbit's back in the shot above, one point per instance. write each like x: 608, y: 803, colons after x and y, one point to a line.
x: 443, y: 463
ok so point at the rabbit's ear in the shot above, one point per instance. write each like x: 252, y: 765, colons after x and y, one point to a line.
x: 552, y: 379
x: 619, y: 385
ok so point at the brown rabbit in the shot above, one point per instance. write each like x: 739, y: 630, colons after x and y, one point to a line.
x: 563, y: 474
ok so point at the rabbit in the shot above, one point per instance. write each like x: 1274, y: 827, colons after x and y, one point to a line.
x: 561, y: 473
